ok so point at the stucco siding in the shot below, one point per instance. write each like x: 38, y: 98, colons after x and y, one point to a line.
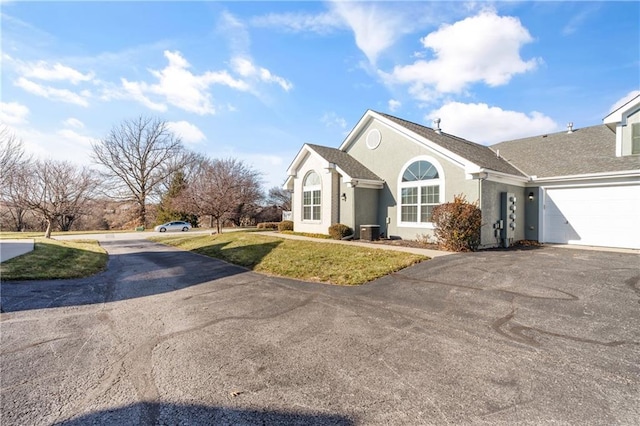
x: 387, y: 161
x: 366, y: 201
x: 491, y: 212
x: 321, y: 226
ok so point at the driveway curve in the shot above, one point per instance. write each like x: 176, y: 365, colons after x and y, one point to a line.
x: 170, y: 337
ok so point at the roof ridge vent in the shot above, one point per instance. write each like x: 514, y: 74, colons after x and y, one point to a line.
x: 570, y: 127
x: 436, y: 126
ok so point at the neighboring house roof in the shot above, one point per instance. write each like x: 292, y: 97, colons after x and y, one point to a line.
x: 352, y: 167
x: 584, y: 151
x: 478, y: 154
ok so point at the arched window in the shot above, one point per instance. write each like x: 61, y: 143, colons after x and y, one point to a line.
x: 420, y: 191
x: 311, y: 196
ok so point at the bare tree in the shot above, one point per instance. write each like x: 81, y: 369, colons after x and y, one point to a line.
x: 12, y: 154
x: 279, y: 197
x: 13, y: 163
x: 138, y: 155
x: 57, y: 191
x: 221, y: 189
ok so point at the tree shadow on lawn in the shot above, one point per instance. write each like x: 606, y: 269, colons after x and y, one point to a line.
x: 165, y: 413
x: 149, y: 269
x: 248, y: 256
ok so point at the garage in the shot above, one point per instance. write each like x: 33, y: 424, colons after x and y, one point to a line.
x: 606, y: 216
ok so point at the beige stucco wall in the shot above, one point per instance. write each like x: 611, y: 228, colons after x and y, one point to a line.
x: 387, y: 161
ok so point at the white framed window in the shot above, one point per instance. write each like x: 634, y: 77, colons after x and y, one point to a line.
x: 311, y: 197
x: 420, y: 188
x: 635, y: 138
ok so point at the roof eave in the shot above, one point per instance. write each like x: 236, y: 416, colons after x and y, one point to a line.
x: 603, y: 175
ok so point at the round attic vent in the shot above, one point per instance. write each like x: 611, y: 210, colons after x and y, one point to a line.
x: 373, y: 138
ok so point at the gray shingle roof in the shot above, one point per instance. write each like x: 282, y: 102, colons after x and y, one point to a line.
x: 478, y: 154
x: 346, y: 162
x: 586, y: 150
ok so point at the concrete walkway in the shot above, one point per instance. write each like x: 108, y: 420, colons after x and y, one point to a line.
x: 14, y: 248
x: 361, y: 243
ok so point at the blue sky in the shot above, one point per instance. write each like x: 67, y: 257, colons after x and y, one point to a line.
x: 256, y: 80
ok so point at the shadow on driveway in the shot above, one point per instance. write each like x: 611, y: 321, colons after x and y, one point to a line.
x: 163, y: 413
x: 136, y: 268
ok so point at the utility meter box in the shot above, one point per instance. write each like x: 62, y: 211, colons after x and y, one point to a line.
x: 508, y: 214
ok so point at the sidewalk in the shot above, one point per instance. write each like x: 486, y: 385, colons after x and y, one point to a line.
x: 425, y: 252
x: 14, y: 248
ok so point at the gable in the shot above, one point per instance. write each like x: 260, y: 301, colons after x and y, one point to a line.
x: 468, y: 155
x: 351, y: 169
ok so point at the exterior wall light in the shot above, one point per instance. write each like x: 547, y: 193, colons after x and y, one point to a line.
x: 344, y: 197
x: 531, y: 196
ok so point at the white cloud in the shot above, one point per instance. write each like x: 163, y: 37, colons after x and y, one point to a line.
x: 75, y: 138
x: 52, y: 93
x: 180, y: 87
x: 235, y: 31
x: 483, y: 48
x: 626, y: 98
x: 578, y: 19
x: 331, y: 119
x: 393, y: 105
x: 246, y: 68
x: 56, y: 72
x: 57, y: 144
x: 13, y: 113
x: 73, y: 122
x: 487, y: 125
x: 135, y: 90
x: 188, y: 132
x: 374, y: 26
x: 322, y: 23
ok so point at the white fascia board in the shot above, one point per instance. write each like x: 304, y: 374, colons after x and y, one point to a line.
x: 359, y: 182
x: 631, y: 174
x: 616, y: 115
x: 364, y: 120
x: 302, y: 156
x: 293, y: 168
x: 493, y: 176
x: 288, y: 184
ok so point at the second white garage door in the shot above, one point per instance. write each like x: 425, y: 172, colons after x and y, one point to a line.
x: 607, y: 216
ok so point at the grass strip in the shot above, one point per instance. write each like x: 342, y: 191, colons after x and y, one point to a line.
x: 53, y: 259
x: 304, y: 260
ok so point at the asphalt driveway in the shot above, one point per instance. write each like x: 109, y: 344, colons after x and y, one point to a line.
x: 167, y: 337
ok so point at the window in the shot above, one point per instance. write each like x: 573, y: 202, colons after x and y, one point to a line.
x: 420, y: 191
x: 635, y: 138
x: 311, y: 197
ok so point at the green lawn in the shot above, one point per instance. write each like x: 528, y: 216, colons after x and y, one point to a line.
x: 52, y: 259
x: 304, y: 260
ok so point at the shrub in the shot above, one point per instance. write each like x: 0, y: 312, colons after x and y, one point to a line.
x: 338, y: 231
x: 285, y: 225
x: 457, y: 224
x: 268, y: 225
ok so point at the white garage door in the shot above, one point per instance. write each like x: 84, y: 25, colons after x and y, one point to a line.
x: 607, y: 216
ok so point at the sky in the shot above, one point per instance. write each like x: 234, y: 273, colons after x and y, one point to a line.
x: 256, y: 80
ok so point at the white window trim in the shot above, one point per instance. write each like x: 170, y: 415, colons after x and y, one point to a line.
x: 431, y: 182
x: 311, y: 188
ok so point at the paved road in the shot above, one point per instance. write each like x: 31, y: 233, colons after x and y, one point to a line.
x: 169, y: 337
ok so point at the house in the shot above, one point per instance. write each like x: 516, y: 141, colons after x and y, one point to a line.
x: 580, y: 186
